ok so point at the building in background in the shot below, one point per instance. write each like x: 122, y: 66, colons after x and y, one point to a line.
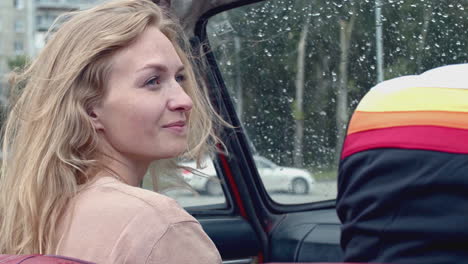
x: 46, y: 11
x: 15, y: 34
x: 23, y: 26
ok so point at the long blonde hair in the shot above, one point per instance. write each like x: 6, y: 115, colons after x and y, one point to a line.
x: 49, y: 143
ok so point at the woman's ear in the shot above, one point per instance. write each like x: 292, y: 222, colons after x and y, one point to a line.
x: 93, y: 113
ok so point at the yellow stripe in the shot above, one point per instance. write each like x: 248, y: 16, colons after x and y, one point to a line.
x: 415, y: 99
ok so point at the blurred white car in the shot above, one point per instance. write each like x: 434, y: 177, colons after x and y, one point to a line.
x: 274, y: 177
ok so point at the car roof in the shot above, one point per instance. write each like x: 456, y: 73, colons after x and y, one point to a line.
x: 189, y: 11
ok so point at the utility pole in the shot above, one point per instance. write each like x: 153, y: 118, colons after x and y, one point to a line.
x: 239, y: 90
x: 378, y: 40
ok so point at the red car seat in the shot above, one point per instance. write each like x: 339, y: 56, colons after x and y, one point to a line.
x: 39, y: 259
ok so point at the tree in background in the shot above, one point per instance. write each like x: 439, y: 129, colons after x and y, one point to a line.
x: 305, y: 64
x: 17, y: 62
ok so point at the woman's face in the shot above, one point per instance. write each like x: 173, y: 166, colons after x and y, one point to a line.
x: 143, y: 116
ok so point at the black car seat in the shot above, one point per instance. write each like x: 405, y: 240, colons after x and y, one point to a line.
x: 403, y: 174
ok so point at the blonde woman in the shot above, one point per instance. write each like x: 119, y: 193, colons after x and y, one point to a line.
x: 111, y: 92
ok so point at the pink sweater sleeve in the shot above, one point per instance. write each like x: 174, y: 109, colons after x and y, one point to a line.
x: 184, y: 242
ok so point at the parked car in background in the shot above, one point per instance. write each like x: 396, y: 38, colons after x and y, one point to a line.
x: 274, y: 177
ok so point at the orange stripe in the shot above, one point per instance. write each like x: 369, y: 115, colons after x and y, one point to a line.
x: 362, y: 121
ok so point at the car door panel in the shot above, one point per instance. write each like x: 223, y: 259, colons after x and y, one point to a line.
x: 233, y: 236
x: 307, y: 237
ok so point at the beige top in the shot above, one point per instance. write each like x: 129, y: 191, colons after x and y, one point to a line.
x: 111, y: 222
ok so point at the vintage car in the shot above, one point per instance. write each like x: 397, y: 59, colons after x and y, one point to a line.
x: 287, y: 75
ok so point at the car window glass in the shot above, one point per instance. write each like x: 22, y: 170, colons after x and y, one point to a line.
x: 23, y: 27
x: 191, y: 186
x: 297, y: 69
x: 262, y: 163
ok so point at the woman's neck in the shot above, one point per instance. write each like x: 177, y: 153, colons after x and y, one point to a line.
x: 129, y: 172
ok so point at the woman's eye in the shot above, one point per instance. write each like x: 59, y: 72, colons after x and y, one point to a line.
x: 180, y: 78
x: 153, y: 81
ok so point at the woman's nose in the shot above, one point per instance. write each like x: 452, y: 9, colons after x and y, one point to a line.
x: 180, y: 101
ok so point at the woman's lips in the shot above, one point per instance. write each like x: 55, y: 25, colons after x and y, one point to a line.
x: 178, y: 126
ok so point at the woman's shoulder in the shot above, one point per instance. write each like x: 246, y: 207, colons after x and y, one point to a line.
x: 125, y: 199
x: 109, y: 221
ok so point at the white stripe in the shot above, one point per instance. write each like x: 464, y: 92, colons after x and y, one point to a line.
x: 450, y: 76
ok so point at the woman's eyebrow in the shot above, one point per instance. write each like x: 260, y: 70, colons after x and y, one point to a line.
x: 159, y: 67
x: 181, y: 68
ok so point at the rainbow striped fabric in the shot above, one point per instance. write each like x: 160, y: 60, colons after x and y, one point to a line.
x: 427, y: 112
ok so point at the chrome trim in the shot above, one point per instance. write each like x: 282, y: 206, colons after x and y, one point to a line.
x: 239, y: 261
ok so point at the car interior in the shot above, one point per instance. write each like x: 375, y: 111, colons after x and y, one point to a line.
x: 287, y: 76
x: 254, y: 51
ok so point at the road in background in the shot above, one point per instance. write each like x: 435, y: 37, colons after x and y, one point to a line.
x: 322, y: 191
